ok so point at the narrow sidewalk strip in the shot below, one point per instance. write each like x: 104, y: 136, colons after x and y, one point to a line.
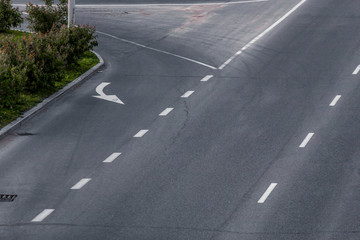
x: 41, y: 216
x: 267, y: 193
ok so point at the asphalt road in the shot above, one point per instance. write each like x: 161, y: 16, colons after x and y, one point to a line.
x: 255, y: 152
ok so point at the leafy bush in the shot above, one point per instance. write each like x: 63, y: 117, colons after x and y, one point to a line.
x: 73, y: 42
x: 45, y: 18
x: 9, y: 16
x: 42, y: 65
x: 11, y: 84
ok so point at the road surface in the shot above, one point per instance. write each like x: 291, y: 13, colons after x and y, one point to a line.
x: 240, y: 121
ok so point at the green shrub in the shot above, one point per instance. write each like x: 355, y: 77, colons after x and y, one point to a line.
x: 73, y: 42
x: 9, y: 16
x: 44, y: 18
x: 11, y: 84
x: 40, y: 61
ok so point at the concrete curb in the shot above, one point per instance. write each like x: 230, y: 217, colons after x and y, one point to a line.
x: 40, y: 106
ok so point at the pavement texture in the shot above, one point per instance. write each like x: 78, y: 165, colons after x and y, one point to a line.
x: 201, y: 170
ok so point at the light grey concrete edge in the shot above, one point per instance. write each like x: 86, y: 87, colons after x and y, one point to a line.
x: 30, y: 113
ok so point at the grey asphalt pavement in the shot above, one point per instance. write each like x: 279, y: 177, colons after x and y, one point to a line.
x: 200, y: 171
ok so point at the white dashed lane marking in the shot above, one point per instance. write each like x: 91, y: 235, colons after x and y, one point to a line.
x: 166, y: 111
x: 112, y: 157
x: 207, y: 78
x: 357, y: 70
x: 187, y: 94
x: 306, y: 140
x: 43, y: 215
x: 81, y: 183
x: 336, y: 99
x: 141, y: 133
x: 267, y: 193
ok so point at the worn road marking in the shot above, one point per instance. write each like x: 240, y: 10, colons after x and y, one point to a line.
x: 207, y: 78
x: 306, y: 140
x: 166, y: 111
x: 267, y: 193
x: 158, y: 50
x: 112, y: 157
x: 357, y: 70
x: 262, y: 34
x: 336, y: 99
x: 43, y: 215
x: 141, y: 133
x: 81, y: 183
x: 187, y: 94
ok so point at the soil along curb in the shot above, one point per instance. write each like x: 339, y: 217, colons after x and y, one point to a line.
x: 40, y: 106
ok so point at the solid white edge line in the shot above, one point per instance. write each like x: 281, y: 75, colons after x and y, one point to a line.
x: 262, y: 34
x: 306, y: 140
x: 206, y: 78
x: 335, y: 100
x: 158, y: 50
x: 112, y: 157
x: 81, y: 183
x: 41, y: 216
x: 141, y: 133
x: 267, y: 193
x: 187, y: 94
x: 357, y: 70
x: 166, y: 111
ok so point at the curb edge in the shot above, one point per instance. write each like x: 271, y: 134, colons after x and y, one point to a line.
x: 40, y: 106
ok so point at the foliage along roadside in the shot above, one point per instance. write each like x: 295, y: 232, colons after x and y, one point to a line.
x: 34, y: 65
x: 28, y: 100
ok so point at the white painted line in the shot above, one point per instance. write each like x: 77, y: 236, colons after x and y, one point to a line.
x: 357, y: 70
x: 161, y: 4
x: 207, y: 78
x: 141, y: 133
x: 158, y: 50
x: 81, y: 183
x: 336, y: 99
x: 230, y: 59
x: 43, y: 215
x: 306, y: 140
x: 166, y: 111
x: 262, y: 34
x: 112, y: 157
x: 187, y: 94
x: 267, y: 193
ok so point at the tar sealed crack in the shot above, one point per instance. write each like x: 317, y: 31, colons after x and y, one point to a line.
x: 25, y: 134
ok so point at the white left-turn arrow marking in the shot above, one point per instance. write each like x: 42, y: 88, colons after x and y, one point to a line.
x: 102, y: 95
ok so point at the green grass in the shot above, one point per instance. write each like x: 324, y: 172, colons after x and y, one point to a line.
x: 17, y: 34
x: 27, y: 100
